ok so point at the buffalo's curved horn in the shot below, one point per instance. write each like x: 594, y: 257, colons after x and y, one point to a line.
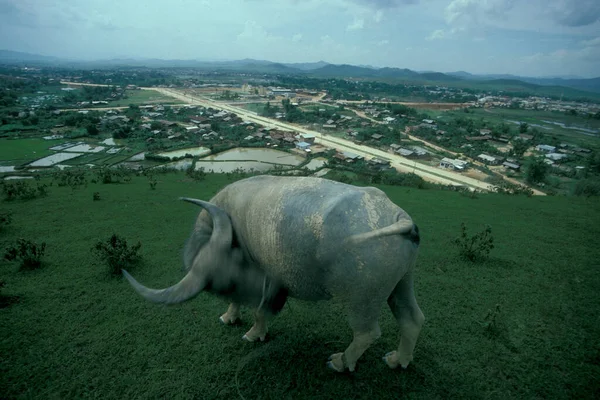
x: 189, y: 287
x: 222, y: 234
x: 194, y: 281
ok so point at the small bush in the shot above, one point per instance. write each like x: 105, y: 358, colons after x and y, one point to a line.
x: 5, y: 219
x: 587, y: 187
x: 22, y: 190
x: 117, y: 253
x: 96, y: 196
x: 152, y: 182
x: 476, y: 247
x: 74, y: 178
x: 28, y: 253
x: 493, y: 323
x: 112, y: 175
x: 196, y: 174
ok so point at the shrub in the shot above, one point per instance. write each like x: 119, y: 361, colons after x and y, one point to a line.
x: 28, y: 253
x: 5, y: 219
x: 73, y: 178
x: 117, y: 253
x: 196, y: 174
x: 587, y: 187
x: 504, y: 187
x: 152, y: 181
x: 23, y: 191
x: 493, y: 322
x: 476, y: 247
x: 112, y: 175
x: 96, y: 196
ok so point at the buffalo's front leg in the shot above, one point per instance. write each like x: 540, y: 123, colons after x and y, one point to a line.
x: 259, y: 329
x: 232, y: 315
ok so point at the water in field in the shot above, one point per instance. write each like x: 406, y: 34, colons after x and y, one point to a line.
x: 316, y: 163
x: 590, y: 132
x: 10, y: 178
x: 85, y: 148
x: 54, y: 159
x: 248, y: 160
x: 230, y: 166
x: 261, y: 155
x: 138, y: 157
x: 7, y: 169
x: 194, y: 151
x: 180, y: 165
x: 109, y: 142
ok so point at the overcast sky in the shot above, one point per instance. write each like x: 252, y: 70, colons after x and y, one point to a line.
x: 525, y: 37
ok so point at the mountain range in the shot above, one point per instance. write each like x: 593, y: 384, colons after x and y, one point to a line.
x: 321, y: 69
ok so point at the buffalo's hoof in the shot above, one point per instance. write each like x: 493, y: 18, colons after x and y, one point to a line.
x: 392, y: 361
x: 251, y: 338
x: 227, y: 320
x: 336, y: 362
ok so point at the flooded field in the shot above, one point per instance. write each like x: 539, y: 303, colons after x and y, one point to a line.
x: 248, y: 160
x: 261, y: 155
x: 54, y: 159
x: 138, y: 157
x: 316, y: 163
x: 194, y: 151
x: 230, y: 166
x: 180, y: 165
x: 85, y: 148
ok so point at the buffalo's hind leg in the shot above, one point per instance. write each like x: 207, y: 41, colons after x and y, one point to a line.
x: 259, y: 329
x: 232, y: 315
x: 366, y: 331
x: 404, y: 306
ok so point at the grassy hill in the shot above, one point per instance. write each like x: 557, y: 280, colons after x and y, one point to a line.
x: 75, y: 332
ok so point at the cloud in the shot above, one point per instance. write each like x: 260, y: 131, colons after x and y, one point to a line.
x: 378, y: 16
x: 358, y: 24
x: 253, y: 31
x: 384, y: 4
x: 575, y: 13
x: 591, y: 42
x: 297, y: 37
x: 437, y: 35
x: 383, y: 42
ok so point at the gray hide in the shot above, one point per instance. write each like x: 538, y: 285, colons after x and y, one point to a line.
x: 313, y: 239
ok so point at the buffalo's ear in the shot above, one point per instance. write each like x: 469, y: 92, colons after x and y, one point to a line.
x: 222, y: 232
x: 199, y: 238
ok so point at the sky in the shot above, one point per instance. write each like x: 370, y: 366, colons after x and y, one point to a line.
x: 521, y: 37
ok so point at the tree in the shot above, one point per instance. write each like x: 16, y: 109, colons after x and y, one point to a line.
x: 91, y: 129
x: 519, y: 147
x: 537, y: 170
x: 523, y: 126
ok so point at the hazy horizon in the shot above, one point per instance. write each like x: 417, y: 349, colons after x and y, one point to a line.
x: 527, y: 38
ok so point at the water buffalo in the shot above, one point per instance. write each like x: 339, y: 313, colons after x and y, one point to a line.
x: 262, y: 239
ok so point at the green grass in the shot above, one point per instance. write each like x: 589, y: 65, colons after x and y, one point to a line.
x: 140, y: 97
x: 496, y: 116
x: 23, y: 150
x: 75, y: 332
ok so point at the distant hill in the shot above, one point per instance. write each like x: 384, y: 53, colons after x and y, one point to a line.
x: 590, y: 84
x: 9, y: 56
x: 307, y: 66
x: 572, y: 87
